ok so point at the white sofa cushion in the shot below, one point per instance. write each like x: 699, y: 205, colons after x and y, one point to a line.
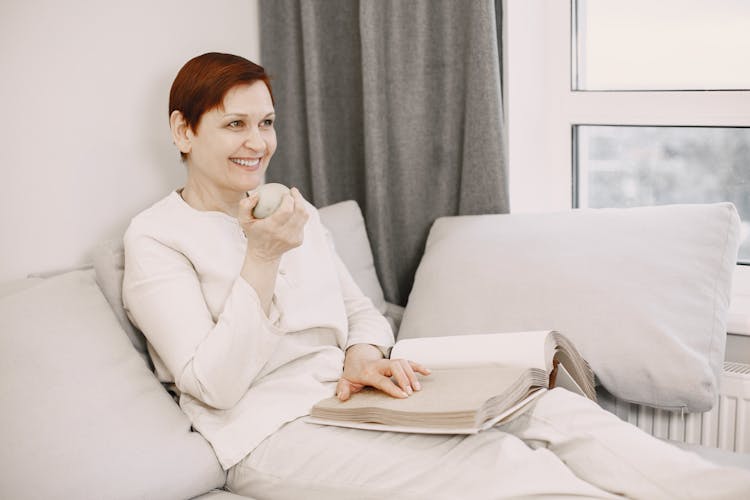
x: 10, y: 287
x: 82, y: 417
x: 643, y: 292
x: 347, y: 227
x: 109, y: 266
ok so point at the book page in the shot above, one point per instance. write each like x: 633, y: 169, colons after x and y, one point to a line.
x: 566, y: 381
x: 504, y: 417
x: 527, y: 349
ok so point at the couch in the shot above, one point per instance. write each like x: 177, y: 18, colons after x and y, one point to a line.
x: 83, y: 416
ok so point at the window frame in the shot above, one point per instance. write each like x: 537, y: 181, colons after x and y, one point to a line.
x: 577, y: 60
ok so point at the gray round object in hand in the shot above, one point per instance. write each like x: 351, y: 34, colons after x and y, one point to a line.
x: 269, y: 199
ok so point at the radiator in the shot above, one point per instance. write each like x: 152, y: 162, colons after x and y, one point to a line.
x: 725, y: 426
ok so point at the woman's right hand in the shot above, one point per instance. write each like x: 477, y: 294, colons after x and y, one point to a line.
x: 269, y: 238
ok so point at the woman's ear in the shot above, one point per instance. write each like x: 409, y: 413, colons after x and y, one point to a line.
x: 180, y: 132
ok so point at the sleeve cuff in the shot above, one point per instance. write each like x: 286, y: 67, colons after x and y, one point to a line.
x: 274, y: 315
x: 386, y: 350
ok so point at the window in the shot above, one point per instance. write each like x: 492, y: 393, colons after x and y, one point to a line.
x: 580, y: 135
x: 661, y: 46
x: 623, y: 166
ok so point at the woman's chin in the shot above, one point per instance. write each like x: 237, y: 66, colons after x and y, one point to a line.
x: 250, y: 182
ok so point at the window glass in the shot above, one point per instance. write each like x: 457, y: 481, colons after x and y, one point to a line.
x: 661, y: 45
x: 626, y: 166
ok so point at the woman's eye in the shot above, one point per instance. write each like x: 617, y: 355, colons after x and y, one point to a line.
x: 235, y: 124
x: 268, y: 122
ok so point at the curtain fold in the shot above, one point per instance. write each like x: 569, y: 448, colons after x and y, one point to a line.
x: 394, y: 104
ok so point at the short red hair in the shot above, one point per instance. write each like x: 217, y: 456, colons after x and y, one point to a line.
x: 203, y: 81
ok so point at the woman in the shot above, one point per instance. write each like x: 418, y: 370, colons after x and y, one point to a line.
x: 252, y: 321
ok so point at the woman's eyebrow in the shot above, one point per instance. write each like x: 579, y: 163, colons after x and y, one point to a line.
x: 235, y: 115
x: 245, y: 115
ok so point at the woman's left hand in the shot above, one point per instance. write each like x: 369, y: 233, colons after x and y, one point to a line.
x: 364, y: 366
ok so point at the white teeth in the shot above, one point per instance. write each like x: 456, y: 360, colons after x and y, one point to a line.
x: 246, y: 163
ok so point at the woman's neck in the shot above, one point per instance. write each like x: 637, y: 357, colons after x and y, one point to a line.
x: 204, y: 199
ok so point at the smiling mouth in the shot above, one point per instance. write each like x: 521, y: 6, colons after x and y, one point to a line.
x: 246, y: 163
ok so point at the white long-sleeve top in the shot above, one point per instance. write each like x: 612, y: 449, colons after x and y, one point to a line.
x: 241, y: 374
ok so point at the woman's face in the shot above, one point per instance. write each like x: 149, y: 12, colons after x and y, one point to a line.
x: 232, y: 145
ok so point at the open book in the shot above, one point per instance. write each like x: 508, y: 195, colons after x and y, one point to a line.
x: 477, y: 381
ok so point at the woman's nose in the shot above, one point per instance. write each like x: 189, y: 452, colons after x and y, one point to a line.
x: 254, y: 140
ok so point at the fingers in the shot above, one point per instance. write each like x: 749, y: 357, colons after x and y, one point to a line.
x: 300, y: 214
x: 398, y: 378
x: 386, y: 385
x: 285, y: 209
x: 292, y: 204
x: 247, y: 205
x: 419, y: 368
x: 345, y: 388
x: 377, y: 374
x: 298, y: 198
x: 342, y: 389
x: 292, y: 210
x: 270, y: 237
x: 286, y: 223
x: 406, y: 375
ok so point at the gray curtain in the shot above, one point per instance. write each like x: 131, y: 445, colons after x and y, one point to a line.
x: 395, y: 104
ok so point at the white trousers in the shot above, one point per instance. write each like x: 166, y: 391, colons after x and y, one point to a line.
x: 563, y: 446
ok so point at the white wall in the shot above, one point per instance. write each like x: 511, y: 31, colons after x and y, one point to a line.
x: 84, y: 136
x: 536, y: 183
